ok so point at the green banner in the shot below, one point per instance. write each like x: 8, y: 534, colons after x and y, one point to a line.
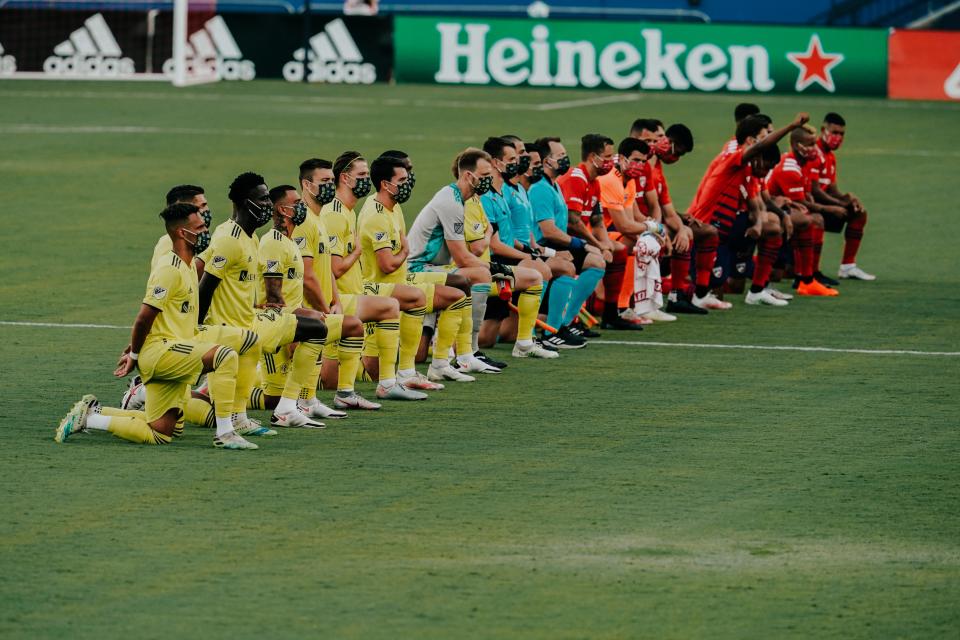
x: 641, y: 56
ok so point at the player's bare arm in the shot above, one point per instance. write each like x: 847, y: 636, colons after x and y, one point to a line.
x: 138, y: 335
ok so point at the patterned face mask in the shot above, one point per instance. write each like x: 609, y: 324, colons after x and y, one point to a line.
x: 326, y: 192
x: 536, y: 173
x: 633, y: 169
x: 261, y: 213
x: 413, y: 180
x: 563, y: 165
x: 404, y: 189
x: 483, y: 185
x: 523, y: 164
x: 299, y: 213
x: 207, y: 216
x: 510, y: 170
x: 200, y: 241
x: 362, y: 187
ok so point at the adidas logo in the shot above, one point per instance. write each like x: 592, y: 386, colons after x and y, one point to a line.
x: 333, y: 57
x: 90, y: 52
x: 213, y: 51
x: 8, y: 64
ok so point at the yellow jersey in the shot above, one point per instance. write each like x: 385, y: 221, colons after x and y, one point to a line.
x: 162, y: 248
x: 233, y: 258
x: 280, y: 258
x: 475, y: 224
x: 378, y: 230
x: 341, y: 223
x: 311, y: 239
x: 172, y: 290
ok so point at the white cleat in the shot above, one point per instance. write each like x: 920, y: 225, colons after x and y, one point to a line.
x: 317, y: 409
x: 294, y: 419
x: 473, y: 364
x: 764, y: 297
x: 534, y: 350
x: 232, y: 440
x: 659, y: 315
x: 397, y: 391
x: 419, y: 381
x: 446, y: 372
x: 711, y: 302
x: 354, y: 401
x: 853, y: 272
x: 776, y: 293
x: 136, y: 395
x: 251, y: 427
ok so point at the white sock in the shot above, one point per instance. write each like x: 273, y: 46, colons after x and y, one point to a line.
x: 465, y: 359
x: 440, y: 363
x: 388, y: 382
x: 224, y: 426
x: 286, y: 405
x: 309, y: 402
x: 98, y: 422
x: 524, y: 344
x: 407, y: 373
x: 240, y: 416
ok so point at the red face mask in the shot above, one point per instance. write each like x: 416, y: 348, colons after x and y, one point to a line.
x: 662, y: 146
x: 605, y: 167
x: 634, y: 170
x: 833, y: 141
x: 808, y: 152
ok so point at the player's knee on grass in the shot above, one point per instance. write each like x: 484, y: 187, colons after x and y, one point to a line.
x: 167, y: 422
x: 487, y: 337
x: 508, y: 329
x: 408, y: 297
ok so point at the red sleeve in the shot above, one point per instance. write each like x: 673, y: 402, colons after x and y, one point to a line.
x: 576, y: 194
x: 663, y: 191
x: 789, y: 183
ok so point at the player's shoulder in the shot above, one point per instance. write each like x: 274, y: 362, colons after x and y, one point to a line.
x: 789, y: 164
x: 577, y: 174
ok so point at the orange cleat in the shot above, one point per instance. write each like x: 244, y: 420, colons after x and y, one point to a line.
x: 814, y: 288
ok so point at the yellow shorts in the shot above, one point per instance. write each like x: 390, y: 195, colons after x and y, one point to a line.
x: 427, y: 277
x: 276, y: 329
x: 425, y: 285
x: 240, y: 340
x: 349, y: 303
x: 168, y: 368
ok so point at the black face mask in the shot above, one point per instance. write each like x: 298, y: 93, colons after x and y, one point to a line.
x: 535, y: 174
x: 261, y: 213
x: 362, y: 187
x: 413, y: 180
x: 200, y: 241
x: 299, y: 213
x: 523, y: 164
x: 563, y: 165
x: 484, y: 184
x: 404, y: 189
x: 207, y: 216
x: 510, y: 170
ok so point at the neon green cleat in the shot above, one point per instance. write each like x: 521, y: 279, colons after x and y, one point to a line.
x: 252, y: 428
x: 231, y: 440
x: 76, y: 419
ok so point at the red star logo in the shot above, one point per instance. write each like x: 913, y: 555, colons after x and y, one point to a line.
x: 815, y: 65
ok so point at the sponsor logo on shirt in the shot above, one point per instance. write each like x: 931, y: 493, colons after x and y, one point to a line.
x: 159, y: 293
x: 219, y: 262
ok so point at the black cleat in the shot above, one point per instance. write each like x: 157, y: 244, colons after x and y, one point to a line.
x: 619, y: 324
x: 682, y: 305
x: 564, y: 340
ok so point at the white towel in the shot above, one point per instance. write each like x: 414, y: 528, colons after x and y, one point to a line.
x: 647, y: 286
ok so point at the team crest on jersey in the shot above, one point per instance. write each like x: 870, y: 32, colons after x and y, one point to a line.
x: 219, y: 261
x: 477, y: 227
x: 159, y: 293
x: 291, y: 273
x: 332, y: 241
x: 380, y: 236
x: 301, y: 241
x: 272, y: 266
x: 185, y: 307
x: 718, y: 272
x: 458, y: 227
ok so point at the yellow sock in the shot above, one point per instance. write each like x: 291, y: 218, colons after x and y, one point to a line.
x: 528, y: 305
x: 465, y: 332
x: 199, y: 412
x: 303, y: 368
x: 257, y: 399
x: 387, y: 335
x: 411, y: 328
x: 349, y: 352
x: 449, y: 322
x: 247, y: 378
x: 178, y: 429
x: 223, y: 381
x: 136, y: 430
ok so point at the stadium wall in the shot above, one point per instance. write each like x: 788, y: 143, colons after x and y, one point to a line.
x: 610, y: 55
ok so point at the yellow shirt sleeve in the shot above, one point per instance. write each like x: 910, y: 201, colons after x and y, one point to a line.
x: 376, y: 231
x: 306, y: 238
x: 272, y: 257
x: 223, y: 252
x: 338, y: 234
x: 162, y: 286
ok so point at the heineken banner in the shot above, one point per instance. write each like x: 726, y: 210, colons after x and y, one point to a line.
x: 925, y: 65
x: 641, y: 56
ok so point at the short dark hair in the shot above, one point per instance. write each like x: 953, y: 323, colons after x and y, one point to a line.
x: 395, y: 153
x: 767, y: 120
x: 629, y: 145
x: 749, y: 127
x: 495, y: 145
x: 243, y: 184
x: 681, y: 136
x: 834, y: 118
x: 544, y: 144
x: 533, y: 147
x: 177, y: 213
x: 183, y: 193
x: 469, y: 157
x: 277, y: 193
x: 770, y: 156
x: 344, y: 161
x: 307, y: 167
x: 745, y: 109
x: 645, y: 124
x: 593, y: 143
x: 383, y: 168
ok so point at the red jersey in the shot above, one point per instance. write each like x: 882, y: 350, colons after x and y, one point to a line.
x: 828, y: 172
x: 722, y: 188
x: 643, y: 183
x: 789, y: 179
x: 579, y: 192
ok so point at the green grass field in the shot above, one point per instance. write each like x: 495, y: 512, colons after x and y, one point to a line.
x: 624, y: 491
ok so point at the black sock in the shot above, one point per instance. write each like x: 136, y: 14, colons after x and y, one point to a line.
x: 702, y: 290
x: 755, y: 288
x: 806, y: 279
x: 610, y: 312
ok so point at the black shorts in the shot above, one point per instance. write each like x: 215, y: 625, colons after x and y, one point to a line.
x: 511, y: 262
x: 832, y: 223
x: 497, y: 308
x: 579, y: 255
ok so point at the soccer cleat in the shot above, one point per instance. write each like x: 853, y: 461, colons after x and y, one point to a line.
x: 473, y: 364
x: 135, y: 396
x: 632, y: 316
x: 853, y: 272
x: 814, y: 288
x: 712, y: 302
x: 764, y: 297
x: 354, y: 401
x: 825, y: 280
x: 233, y: 440
x: 250, y: 427
x: 682, y: 305
x: 419, y: 381
x: 397, y: 391
x: 446, y: 372
x: 76, y: 419
x: 564, y: 340
x: 619, y: 324
x: 317, y: 409
x: 548, y: 347
x: 582, y: 331
x: 482, y: 357
x: 294, y: 419
x: 776, y: 293
x: 659, y: 315
x: 534, y: 350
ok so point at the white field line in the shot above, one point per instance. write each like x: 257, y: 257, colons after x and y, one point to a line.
x: 690, y: 345
x: 760, y: 347
x: 587, y: 102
